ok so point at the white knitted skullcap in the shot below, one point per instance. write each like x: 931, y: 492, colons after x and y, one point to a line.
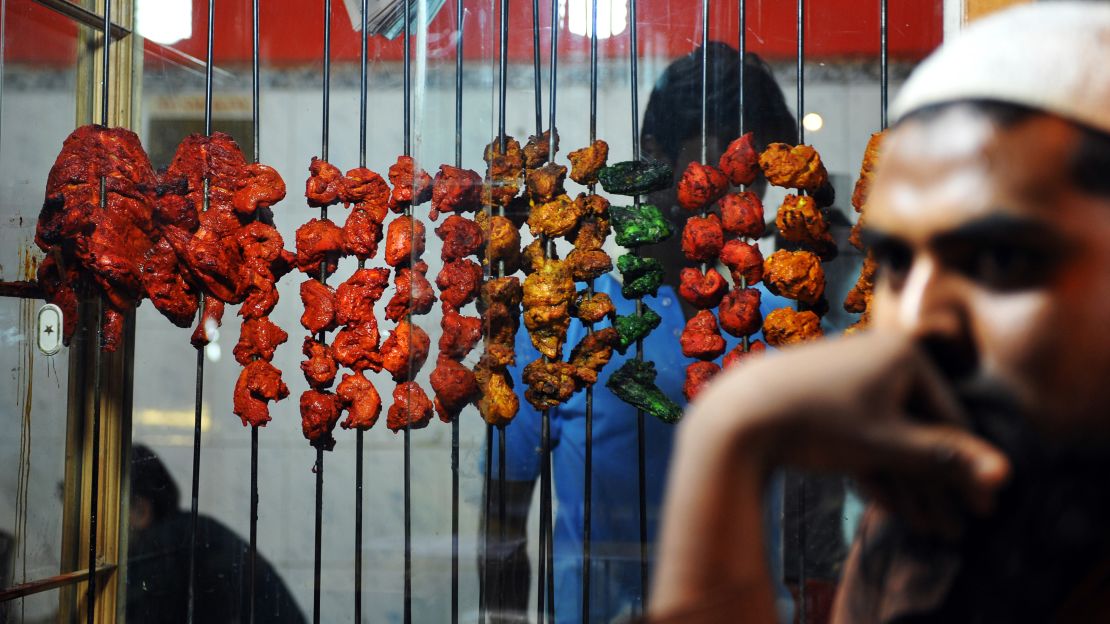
x: 1051, y: 56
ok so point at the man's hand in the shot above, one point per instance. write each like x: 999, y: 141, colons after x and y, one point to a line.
x: 872, y: 407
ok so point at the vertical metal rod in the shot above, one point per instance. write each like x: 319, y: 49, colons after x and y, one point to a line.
x: 252, y: 565
x: 408, y: 524
x: 359, y: 443
x: 319, y: 468
x: 256, y: 124
x: 503, y: 78
x: 641, y: 467
x: 407, y: 94
x: 587, y: 489
x: 407, y: 84
x: 801, y: 493
x: 536, y: 76
x: 358, y: 524
x: 483, y: 581
x: 459, y: 14
x: 884, y: 60
x: 318, y: 535
x: 545, y: 503
x: 194, y: 506
x: 502, y: 520
x: 742, y: 41
x: 94, y: 476
x: 256, y: 82
x: 704, y: 84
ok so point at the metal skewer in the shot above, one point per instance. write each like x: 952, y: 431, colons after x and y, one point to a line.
x: 359, y: 444
x: 199, y: 398
x: 587, y: 490
x: 94, y: 476
x: 455, y: 421
x: 884, y: 63
x: 641, y: 452
x: 257, y: 124
x: 742, y: 40
x: 801, y: 479
x: 319, y: 467
x: 552, y: 144
x: 407, y: 617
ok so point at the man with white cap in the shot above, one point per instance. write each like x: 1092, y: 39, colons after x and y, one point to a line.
x: 975, y: 412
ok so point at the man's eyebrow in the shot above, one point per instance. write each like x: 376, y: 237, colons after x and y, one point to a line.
x: 872, y: 238
x: 995, y: 227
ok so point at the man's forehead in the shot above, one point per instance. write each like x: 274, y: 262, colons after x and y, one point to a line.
x: 959, y: 165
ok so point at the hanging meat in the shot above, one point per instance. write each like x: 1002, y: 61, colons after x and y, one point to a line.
x: 258, y: 340
x: 319, y: 306
x: 412, y: 294
x: 548, y: 294
x: 502, y: 242
x: 461, y: 238
x: 538, y: 149
x: 323, y: 184
x: 319, y: 414
x: 702, y: 290
x: 739, y: 312
x: 460, y: 334
x: 744, y: 260
x: 355, y: 298
x: 104, y: 246
x: 702, y: 238
x: 404, y: 241
x: 591, y: 354
x: 593, y: 308
x: 550, y: 384
x: 700, y: 186
x: 497, y: 402
x: 799, y: 220
x: 405, y: 351
x: 320, y: 367
x: 459, y: 283
x: 555, y: 217
x: 698, y: 375
x: 455, y: 190
x: 499, y: 304
x: 455, y: 387
x: 701, y: 339
x: 585, y: 163
x: 793, y: 166
x: 356, y: 346
x: 411, y: 408
x: 211, y: 318
x: 411, y: 186
x: 546, y: 182
x: 795, y: 275
x: 320, y: 244
x: 740, y: 161
x: 742, y: 214
x: 360, y: 399
x: 365, y: 189
x: 259, y: 383
x: 787, y: 326
x: 505, y: 168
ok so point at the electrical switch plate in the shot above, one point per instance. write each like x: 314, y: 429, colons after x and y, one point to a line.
x: 50, y: 320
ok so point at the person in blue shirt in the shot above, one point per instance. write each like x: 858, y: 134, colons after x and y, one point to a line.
x: 671, y: 133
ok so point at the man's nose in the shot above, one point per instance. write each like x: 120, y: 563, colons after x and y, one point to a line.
x: 930, y: 304
x: 932, y: 311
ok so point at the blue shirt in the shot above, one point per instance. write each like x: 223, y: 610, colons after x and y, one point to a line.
x: 615, y: 515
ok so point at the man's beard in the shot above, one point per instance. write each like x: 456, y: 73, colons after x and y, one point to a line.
x: 1048, y: 529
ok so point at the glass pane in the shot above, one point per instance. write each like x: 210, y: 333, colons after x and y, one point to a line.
x: 841, y: 87
x: 32, y: 449
x: 39, y: 84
